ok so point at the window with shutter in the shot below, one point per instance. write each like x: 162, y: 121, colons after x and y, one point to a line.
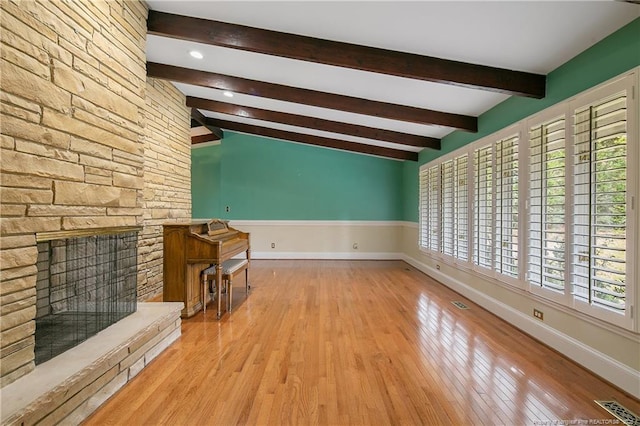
x: 560, y: 207
x: 429, y: 207
x: 600, y: 218
x: 546, y: 252
x: 483, y: 206
x: 461, y: 210
x: 506, y: 207
x: 444, y: 208
x: 423, y: 239
x: 425, y: 233
x: 448, y: 207
x: 434, y: 208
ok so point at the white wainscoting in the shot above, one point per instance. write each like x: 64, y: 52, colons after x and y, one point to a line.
x: 305, y: 239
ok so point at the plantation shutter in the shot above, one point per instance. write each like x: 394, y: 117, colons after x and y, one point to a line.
x: 600, y: 187
x: 461, y: 222
x: 483, y: 205
x: 506, y: 205
x: 546, y: 257
x: 448, y: 207
x: 424, y: 208
x: 434, y: 208
x: 429, y: 207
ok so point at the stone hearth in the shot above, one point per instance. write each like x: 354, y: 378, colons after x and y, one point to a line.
x: 69, y: 387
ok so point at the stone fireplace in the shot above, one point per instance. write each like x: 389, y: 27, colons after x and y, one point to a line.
x: 88, y: 142
x: 85, y: 284
x: 91, y: 334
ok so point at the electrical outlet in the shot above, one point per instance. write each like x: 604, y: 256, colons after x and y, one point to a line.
x: 227, y: 209
x: 355, y: 246
x: 438, y: 267
x: 273, y: 245
x: 538, y: 314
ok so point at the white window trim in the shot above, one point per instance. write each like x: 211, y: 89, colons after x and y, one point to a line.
x: 628, y: 82
x: 492, y: 139
x: 629, y: 321
x: 549, y: 114
x: 437, y: 254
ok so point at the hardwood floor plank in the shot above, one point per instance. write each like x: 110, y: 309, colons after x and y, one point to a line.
x: 354, y: 342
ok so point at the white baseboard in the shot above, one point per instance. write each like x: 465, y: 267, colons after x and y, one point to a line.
x: 326, y: 255
x: 600, y: 364
x: 322, y: 223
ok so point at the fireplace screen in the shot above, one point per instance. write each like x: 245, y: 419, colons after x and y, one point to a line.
x: 84, y: 285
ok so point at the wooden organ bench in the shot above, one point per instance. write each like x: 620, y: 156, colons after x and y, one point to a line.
x: 230, y: 268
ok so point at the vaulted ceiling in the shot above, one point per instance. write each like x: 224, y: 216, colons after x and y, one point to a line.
x: 381, y: 78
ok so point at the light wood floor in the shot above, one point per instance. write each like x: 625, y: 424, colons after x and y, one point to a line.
x: 355, y: 342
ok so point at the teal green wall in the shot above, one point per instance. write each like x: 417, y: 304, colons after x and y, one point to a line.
x: 410, y: 190
x: 205, y: 182
x: 267, y: 179
x: 612, y: 56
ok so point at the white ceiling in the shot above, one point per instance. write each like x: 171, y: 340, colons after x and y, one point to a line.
x: 526, y: 36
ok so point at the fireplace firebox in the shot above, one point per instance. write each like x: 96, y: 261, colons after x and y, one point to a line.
x: 85, y: 284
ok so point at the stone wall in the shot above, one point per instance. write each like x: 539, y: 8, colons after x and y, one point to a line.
x: 74, y: 101
x: 167, y: 178
x: 73, y: 92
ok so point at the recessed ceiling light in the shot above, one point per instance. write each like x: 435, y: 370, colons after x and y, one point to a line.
x: 196, y: 54
x: 227, y: 94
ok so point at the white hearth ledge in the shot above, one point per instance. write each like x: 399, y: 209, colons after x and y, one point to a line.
x: 69, y: 387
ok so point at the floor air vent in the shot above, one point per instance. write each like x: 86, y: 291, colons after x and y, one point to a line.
x: 460, y: 305
x: 620, y: 412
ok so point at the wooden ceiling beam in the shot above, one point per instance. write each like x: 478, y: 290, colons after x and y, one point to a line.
x: 200, y: 118
x: 348, y: 55
x: 311, y: 97
x: 314, y: 140
x: 314, y: 123
x: 208, y: 137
